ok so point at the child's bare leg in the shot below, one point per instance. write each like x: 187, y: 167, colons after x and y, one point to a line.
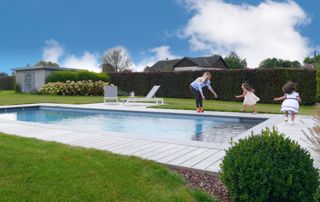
x: 286, y: 115
x: 244, y: 108
x: 293, y: 115
x: 254, y: 109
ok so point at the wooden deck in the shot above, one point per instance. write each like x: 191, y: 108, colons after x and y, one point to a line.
x: 202, y: 158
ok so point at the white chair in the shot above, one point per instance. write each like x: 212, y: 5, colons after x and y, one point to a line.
x: 110, y: 93
x: 149, y: 98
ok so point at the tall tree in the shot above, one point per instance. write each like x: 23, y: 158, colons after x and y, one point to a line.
x: 47, y: 63
x: 115, y: 59
x: 311, y: 60
x: 279, y: 63
x: 234, y: 61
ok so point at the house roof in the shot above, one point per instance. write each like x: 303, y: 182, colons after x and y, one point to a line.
x: 164, y: 64
x: 203, y: 61
x: 42, y: 67
x: 207, y: 62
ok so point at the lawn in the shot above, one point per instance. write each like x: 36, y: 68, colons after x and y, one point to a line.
x: 33, y: 170
x: 228, y: 106
x: 12, y: 98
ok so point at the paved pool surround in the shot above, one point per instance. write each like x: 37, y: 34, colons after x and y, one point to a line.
x: 203, y: 156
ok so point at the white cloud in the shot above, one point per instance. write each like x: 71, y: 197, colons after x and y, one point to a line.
x: 158, y: 53
x: 268, y: 29
x: 52, y: 51
x: 87, y: 61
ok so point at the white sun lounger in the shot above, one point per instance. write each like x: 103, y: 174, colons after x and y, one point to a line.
x: 110, y: 93
x: 149, y: 98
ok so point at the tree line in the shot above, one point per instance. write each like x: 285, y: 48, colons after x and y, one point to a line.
x: 118, y: 60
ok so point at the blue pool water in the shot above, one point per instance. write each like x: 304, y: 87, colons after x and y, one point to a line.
x: 186, y: 127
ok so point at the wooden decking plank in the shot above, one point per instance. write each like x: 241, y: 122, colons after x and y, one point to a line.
x: 90, y: 140
x: 187, y: 156
x: 168, y: 152
x: 141, y: 152
x: 177, y: 154
x: 107, y: 146
x: 158, y: 151
x: 104, y: 142
x: 130, y: 151
x: 141, y: 143
x: 209, y: 161
x: 215, y: 167
x: 93, y: 142
x: 196, y: 159
x: 128, y: 144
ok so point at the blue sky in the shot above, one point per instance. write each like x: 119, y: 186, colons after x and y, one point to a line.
x: 77, y: 33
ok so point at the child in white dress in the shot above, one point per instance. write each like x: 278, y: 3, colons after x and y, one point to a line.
x: 250, y: 99
x: 291, y: 99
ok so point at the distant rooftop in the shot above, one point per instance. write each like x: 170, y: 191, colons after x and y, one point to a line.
x: 206, y: 62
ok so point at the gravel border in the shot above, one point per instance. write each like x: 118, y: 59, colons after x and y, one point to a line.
x: 205, y: 182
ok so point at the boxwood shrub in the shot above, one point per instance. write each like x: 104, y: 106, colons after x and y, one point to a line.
x: 80, y: 75
x: 74, y: 88
x: 227, y: 83
x: 269, y: 167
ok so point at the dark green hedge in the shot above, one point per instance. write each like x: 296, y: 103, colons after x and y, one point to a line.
x: 227, y: 83
x: 82, y: 75
x: 6, y: 83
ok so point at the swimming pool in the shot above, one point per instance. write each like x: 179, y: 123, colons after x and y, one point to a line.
x: 164, y: 125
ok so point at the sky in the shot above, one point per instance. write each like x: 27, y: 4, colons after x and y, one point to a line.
x: 77, y: 33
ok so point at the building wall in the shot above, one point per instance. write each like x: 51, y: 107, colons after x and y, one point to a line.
x: 194, y: 68
x: 31, y: 80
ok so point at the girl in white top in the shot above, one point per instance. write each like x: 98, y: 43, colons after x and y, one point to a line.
x: 250, y: 99
x: 196, y: 88
x: 291, y: 99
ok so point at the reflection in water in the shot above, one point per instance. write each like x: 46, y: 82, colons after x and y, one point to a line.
x: 198, y: 131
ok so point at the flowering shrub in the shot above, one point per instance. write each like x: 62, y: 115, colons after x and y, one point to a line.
x: 74, y: 88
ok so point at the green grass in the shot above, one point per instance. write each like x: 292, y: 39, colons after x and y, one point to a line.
x: 33, y: 170
x: 12, y: 98
x: 228, y: 106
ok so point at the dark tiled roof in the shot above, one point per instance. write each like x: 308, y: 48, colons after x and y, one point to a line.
x: 169, y: 65
x: 165, y: 65
x: 205, y: 61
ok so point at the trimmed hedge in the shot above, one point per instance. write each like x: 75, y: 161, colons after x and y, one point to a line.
x: 227, y: 83
x: 269, y: 167
x: 6, y: 82
x: 80, y: 75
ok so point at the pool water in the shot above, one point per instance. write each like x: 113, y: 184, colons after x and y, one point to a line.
x: 184, y: 127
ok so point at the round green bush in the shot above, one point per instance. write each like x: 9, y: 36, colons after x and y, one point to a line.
x: 269, y: 167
